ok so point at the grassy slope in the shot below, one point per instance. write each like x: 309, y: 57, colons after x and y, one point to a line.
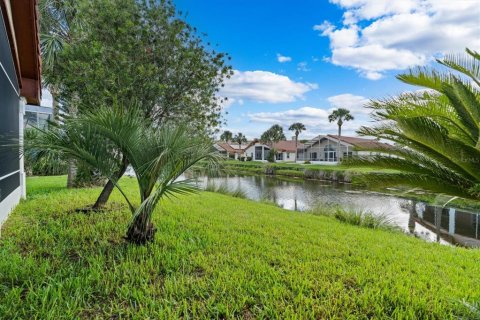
x: 217, y: 256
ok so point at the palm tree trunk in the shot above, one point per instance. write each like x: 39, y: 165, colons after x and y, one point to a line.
x: 71, y: 173
x: 108, y: 188
x: 338, y: 148
x: 296, y: 147
x: 141, y: 230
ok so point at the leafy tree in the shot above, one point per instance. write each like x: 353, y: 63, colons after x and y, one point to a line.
x: 140, y: 54
x: 159, y: 156
x: 273, y: 135
x: 436, y: 132
x: 297, y: 128
x: 340, y: 115
x: 240, y: 139
x: 226, y: 136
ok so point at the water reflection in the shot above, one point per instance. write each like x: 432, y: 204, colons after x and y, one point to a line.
x: 444, y: 225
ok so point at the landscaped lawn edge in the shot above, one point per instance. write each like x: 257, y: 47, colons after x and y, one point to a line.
x: 216, y: 256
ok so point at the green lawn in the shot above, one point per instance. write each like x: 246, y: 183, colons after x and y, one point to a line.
x: 219, y: 257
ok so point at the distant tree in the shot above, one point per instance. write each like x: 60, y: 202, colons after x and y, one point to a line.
x: 226, y: 136
x: 142, y: 54
x: 340, y: 115
x: 297, y: 128
x: 240, y: 139
x: 273, y: 135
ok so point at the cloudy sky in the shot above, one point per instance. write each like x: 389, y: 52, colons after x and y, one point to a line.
x: 296, y: 60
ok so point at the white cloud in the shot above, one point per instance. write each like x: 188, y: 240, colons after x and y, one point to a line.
x: 303, y: 66
x: 377, y: 36
x: 282, y: 58
x: 264, y: 86
x: 316, y: 119
x: 356, y: 104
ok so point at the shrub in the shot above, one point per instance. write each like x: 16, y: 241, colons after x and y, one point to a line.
x: 307, y: 162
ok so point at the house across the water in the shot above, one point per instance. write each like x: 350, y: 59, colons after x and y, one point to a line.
x: 326, y: 149
x: 329, y: 149
x: 257, y: 151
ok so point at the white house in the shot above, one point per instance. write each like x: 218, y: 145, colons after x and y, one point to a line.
x: 20, y: 84
x: 329, y: 148
x: 286, y: 151
x: 257, y: 151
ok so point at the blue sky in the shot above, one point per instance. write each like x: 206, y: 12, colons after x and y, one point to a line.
x: 296, y: 60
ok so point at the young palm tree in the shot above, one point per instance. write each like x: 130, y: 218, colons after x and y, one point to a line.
x: 226, y: 136
x: 158, y: 156
x: 240, y: 138
x: 297, y: 127
x: 437, y: 131
x: 340, y: 115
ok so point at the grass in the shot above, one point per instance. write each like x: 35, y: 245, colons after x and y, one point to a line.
x: 223, y: 189
x: 360, y: 218
x: 301, y: 167
x: 215, y: 257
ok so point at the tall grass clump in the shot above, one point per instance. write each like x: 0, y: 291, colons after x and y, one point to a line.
x: 357, y: 217
x: 223, y: 189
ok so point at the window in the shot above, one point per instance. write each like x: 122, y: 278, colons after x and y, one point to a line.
x: 288, y: 155
x: 330, y: 154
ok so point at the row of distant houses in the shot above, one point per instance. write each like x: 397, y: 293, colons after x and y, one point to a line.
x: 327, y: 149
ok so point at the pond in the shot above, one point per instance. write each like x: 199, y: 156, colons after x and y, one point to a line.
x: 443, y: 225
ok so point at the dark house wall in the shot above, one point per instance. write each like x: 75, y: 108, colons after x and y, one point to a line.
x: 9, y: 118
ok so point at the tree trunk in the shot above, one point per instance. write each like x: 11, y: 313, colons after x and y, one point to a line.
x: 72, y: 171
x: 108, y: 188
x: 141, y: 230
x: 338, y: 148
x: 296, y: 148
x: 54, y: 93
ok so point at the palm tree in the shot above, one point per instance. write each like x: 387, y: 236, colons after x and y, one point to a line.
x: 340, y: 115
x: 273, y: 135
x: 226, y: 136
x: 58, y: 18
x: 240, y: 138
x: 158, y: 156
x: 436, y: 132
x: 297, y: 127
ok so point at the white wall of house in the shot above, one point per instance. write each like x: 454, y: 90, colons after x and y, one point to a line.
x: 259, y: 152
x: 326, y: 149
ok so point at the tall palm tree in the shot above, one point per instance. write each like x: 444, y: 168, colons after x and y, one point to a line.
x: 297, y: 128
x: 340, y: 115
x: 158, y: 156
x: 240, y: 138
x: 436, y: 132
x: 58, y: 18
x: 226, y: 136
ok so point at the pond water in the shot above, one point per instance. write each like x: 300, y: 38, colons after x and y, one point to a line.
x: 443, y: 225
